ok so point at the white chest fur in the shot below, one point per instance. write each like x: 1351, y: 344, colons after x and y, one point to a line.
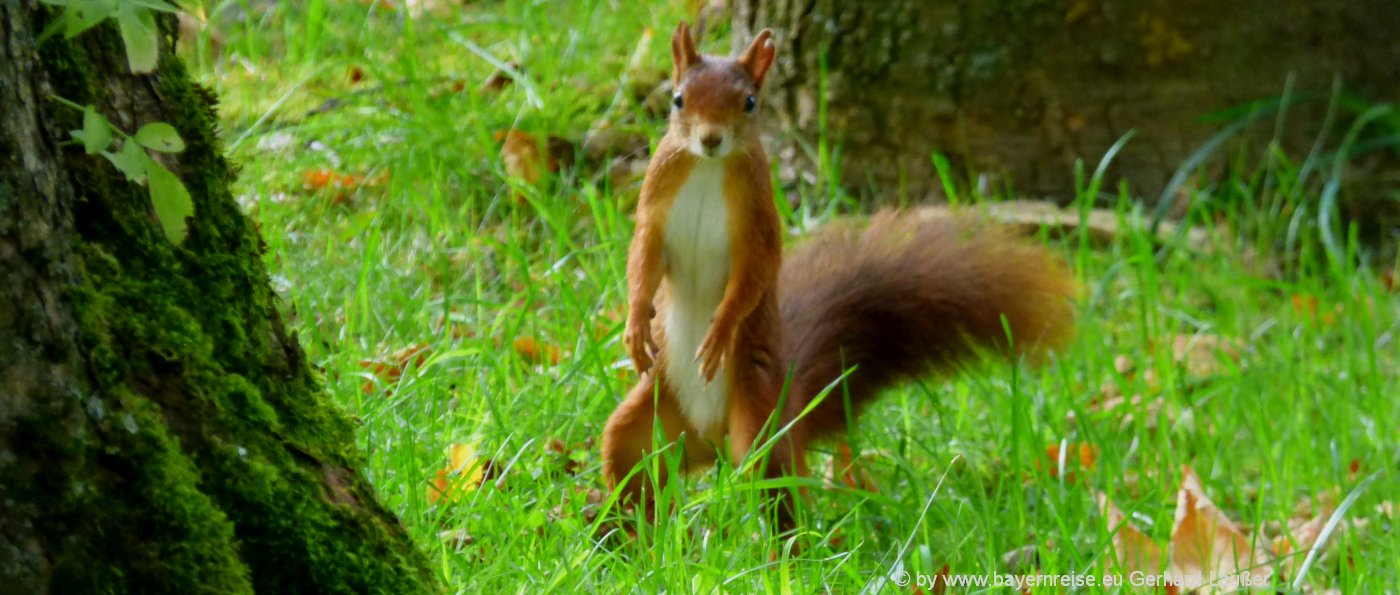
x: 697, y: 259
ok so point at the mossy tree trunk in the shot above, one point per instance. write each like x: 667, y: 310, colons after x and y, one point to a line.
x: 1018, y: 90
x: 160, y: 431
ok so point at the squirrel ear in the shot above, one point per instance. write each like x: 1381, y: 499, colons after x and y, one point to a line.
x: 683, y: 51
x: 759, y: 56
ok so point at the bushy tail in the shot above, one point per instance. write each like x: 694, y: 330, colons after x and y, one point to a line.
x: 911, y: 294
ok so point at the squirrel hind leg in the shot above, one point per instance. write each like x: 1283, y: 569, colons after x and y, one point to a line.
x: 628, y: 438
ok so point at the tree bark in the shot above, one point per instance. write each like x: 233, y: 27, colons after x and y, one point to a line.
x: 160, y: 431
x: 1017, y: 91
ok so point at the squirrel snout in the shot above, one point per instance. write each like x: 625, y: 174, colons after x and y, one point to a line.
x: 710, y: 142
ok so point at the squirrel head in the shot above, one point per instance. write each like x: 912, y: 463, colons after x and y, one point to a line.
x: 716, y: 99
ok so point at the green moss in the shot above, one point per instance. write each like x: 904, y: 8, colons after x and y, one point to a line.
x: 148, y: 525
x: 209, y: 459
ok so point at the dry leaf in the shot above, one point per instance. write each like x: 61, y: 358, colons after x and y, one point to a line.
x: 500, y: 79
x: 1124, y: 365
x: 340, y: 185
x: 464, y: 473
x: 1203, y: 355
x: 457, y: 537
x: 1207, y: 546
x: 324, y: 178
x: 521, y: 154
x: 1305, y: 306
x: 1081, y: 455
x: 562, y: 456
x: 850, y: 470
x: 559, y: 153
x: 940, y: 581
x: 535, y: 352
x: 1207, y: 549
x: 390, y: 368
x: 1021, y: 560
x: 606, y: 138
x: 1290, y: 548
x: 1135, y: 551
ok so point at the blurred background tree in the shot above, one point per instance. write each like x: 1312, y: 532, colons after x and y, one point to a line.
x: 1015, y: 92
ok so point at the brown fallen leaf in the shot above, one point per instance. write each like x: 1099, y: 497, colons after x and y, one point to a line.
x: 1077, y: 456
x: 456, y: 537
x: 606, y: 138
x: 1204, y: 355
x: 1306, y: 307
x: 562, y: 456
x: 520, y: 151
x: 1134, y: 550
x: 1290, y: 547
x: 391, y: 367
x: 850, y: 470
x: 560, y: 153
x: 940, y: 581
x: 500, y: 79
x: 1207, y: 550
x: 340, y: 186
x: 1022, y: 560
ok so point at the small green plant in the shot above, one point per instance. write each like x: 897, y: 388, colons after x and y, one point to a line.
x: 136, y: 20
x: 128, y: 154
x: 137, y: 24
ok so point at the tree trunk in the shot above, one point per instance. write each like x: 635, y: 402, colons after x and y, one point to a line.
x: 160, y: 431
x: 1019, y: 90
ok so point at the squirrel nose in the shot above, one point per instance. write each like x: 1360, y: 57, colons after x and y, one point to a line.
x: 711, y: 141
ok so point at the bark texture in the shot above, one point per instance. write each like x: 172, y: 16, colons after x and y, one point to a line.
x: 1021, y: 89
x: 160, y: 431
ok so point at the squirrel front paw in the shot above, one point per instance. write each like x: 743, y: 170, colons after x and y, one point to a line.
x: 638, y: 340
x: 712, y: 353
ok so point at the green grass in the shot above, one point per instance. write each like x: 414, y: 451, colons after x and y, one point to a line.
x: 439, y: 252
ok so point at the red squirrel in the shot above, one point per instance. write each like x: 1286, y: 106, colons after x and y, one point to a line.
x: 714, y: 339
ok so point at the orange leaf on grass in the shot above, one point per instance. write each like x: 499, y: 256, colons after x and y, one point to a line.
x: 1305, y: 306
x: 465, y: 472
x: 1082, y: 453
x: 940, y: 581
x: 342, y: 185
x: 391, y: 367
x: 850, y: 470
x: 317, y: 179
x: 536, y: 352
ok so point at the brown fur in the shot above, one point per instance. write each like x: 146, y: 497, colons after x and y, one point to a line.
x: 908, y: 296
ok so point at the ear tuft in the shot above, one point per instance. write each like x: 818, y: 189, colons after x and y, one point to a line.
x: 683, y: 51
x: 759, y: 57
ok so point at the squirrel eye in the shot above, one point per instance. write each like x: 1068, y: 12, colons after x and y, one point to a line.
x: 750, y: 103
x: 676, y: 101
